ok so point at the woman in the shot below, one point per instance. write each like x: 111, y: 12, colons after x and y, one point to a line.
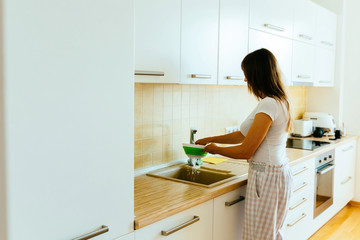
x: 263, y: 138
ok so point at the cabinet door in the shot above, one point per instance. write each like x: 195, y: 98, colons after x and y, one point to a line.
x: 130, y: 236
x: 199, y: 41
x: 344, y: 174
x: 233, y: 40
x: 326, y: 28
x: 305, y: 14
x: 297, y: 226
x: 279, y: 46
x: 229, y: 215
x: 198, y: 221
x: 70, y: 160
x: 324, y: 67
x: 157, y: 41
x: 303, y: 59
x: 273, y: 16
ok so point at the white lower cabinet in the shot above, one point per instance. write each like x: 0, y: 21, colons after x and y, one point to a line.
x: 344, y: 174
x: 198, y: 221
x: 301, y: 207
x: 130, y: 236
x: 229, y: 215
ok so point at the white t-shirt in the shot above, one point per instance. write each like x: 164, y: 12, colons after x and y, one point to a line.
x: 273, y: 148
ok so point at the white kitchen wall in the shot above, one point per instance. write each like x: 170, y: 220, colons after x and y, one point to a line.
x: 3, y: 226
x: 351, y: 90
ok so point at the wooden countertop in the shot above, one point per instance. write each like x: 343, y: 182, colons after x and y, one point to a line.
x: 157, y: 198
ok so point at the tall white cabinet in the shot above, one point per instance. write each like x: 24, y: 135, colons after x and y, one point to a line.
x: 68, y: 119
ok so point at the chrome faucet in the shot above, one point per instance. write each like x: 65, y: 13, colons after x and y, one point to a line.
x: 193, y: 132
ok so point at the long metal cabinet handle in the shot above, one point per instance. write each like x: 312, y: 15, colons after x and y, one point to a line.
x: 302, y: 170
x: 101, y: 230
x: 303, y: 76
x: 234, y: 78
x: 347, y: 149
x: 324, y: 81
x: 149, y: 73
x: 302, y: 186
x: 327, y: 43
x: 274, y: 27
x: 228, y: 204
x: 202, y: 76
x: 307, y: 37
x: 326, y: 169
x: 303, y: 200
x: 181, y: 226
x: 293, y: 224
x: 348, y: 179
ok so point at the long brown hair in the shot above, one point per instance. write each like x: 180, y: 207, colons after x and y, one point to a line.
x: 264, y: 78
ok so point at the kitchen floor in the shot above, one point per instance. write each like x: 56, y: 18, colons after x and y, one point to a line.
x: 345, y: 225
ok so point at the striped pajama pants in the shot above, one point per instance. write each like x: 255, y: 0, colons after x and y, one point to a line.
x: 267, y: 199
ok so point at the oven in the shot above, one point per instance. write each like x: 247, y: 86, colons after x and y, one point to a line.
x: 324, y: 182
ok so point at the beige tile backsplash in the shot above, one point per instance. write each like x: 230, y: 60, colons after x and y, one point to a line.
x: 164, y: 114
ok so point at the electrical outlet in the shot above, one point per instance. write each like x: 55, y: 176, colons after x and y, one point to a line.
x: 232, y: 129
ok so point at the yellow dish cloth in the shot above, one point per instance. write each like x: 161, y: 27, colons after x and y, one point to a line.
x: 214, y: 160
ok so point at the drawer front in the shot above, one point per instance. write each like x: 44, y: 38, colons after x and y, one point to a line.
x: 297, y: 203
x: 303, y: 179
x: 296, y: 225
x: 302, y: 170
x: 198, y: 220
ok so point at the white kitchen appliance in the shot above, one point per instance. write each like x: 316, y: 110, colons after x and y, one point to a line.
x: 303, y: 128
x: 322, y: 120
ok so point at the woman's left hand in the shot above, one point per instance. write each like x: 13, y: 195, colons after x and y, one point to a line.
x: 211, y: 148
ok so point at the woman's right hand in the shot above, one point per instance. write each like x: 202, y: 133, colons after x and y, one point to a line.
x: 204, y: 141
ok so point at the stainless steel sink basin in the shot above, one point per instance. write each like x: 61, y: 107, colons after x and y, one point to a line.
x: 187, y: 174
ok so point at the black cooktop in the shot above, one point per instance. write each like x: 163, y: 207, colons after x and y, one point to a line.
x: 305, y: 144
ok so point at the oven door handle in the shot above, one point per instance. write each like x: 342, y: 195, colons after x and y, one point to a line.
x: 326, y: 169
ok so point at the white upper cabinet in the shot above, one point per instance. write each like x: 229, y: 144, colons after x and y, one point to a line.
x: 303, y: 59
x: 325, y: 50
x: 199, y: 41
x: 233, y: 40
x: 274, y: 16
x: 305, y: 21
x: 326, y: 28
x: 324, y: 67
x: 157, y: 41
x: 281, y: 47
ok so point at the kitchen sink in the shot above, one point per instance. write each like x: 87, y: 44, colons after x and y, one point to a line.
x: 187, y: 174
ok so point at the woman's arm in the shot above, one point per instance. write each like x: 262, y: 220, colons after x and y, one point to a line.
x: 230, y: 138
x: 252, y: 141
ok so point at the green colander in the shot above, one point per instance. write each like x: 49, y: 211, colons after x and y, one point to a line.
x: 194, y: 151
